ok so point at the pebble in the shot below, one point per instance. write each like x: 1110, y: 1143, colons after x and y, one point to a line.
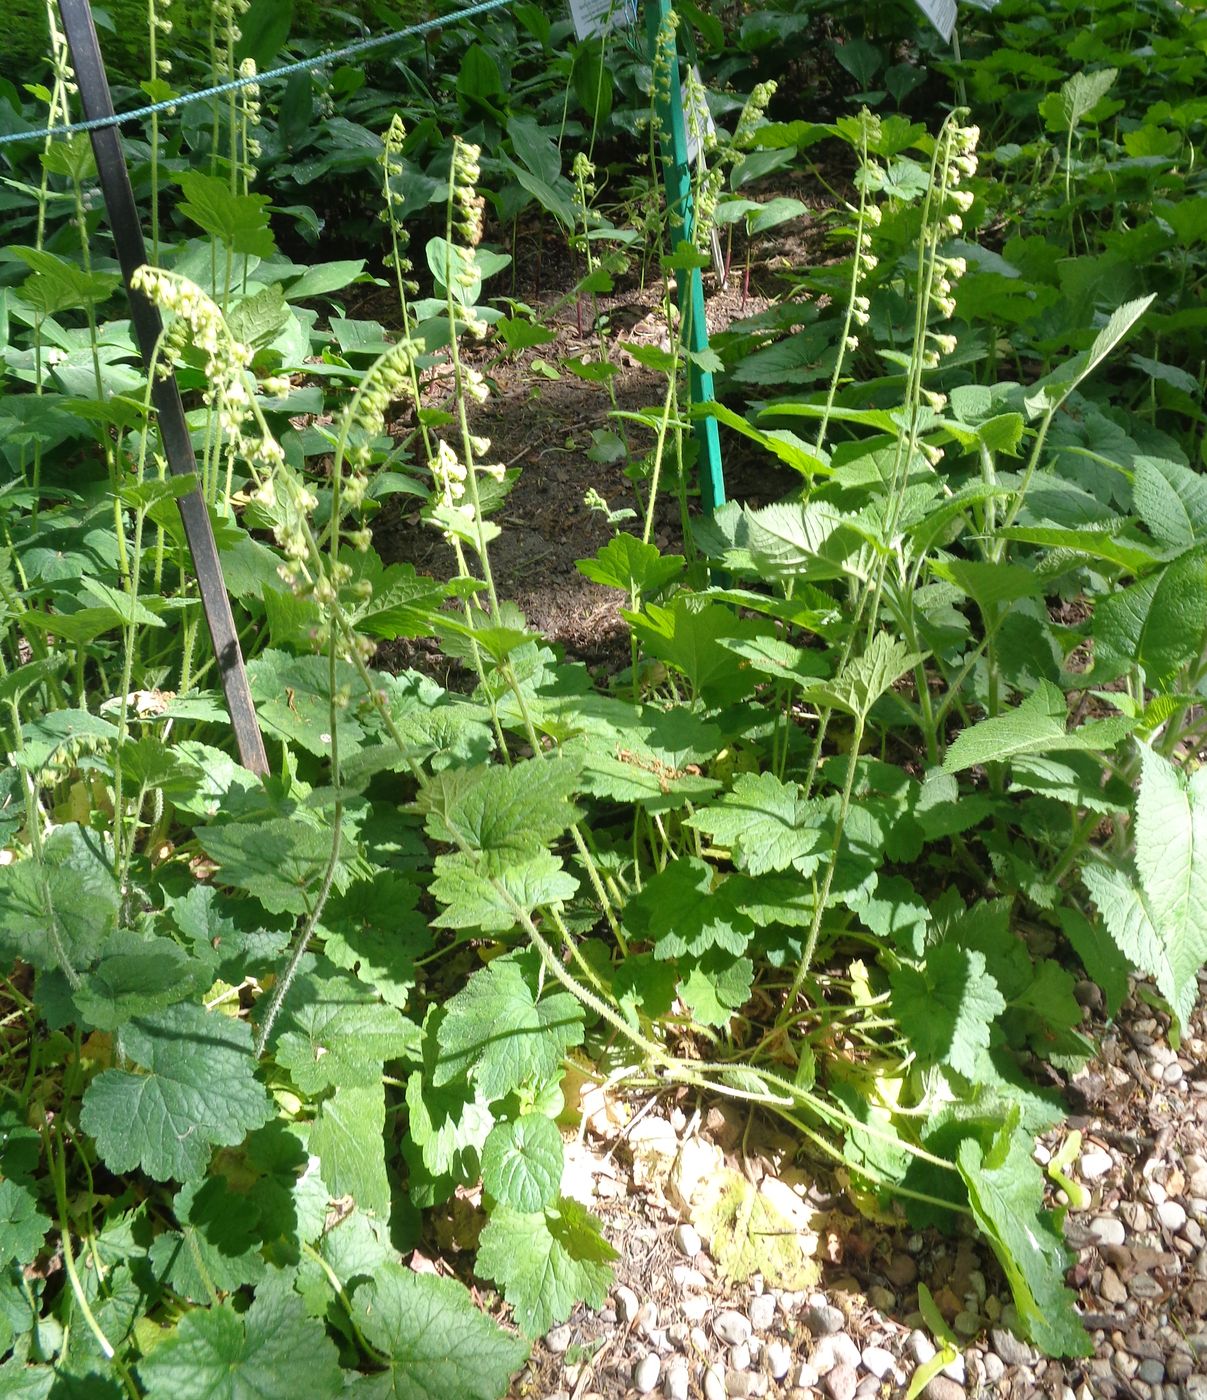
x: 884, y: 1300
x: 738, y: 1384
x: 901, y: 1270
x: 878, y: 1361
x: 779, y: 1359
x: 687, y: 1240
x: 714, y: 1384
x: 733, y: 1328
x: 1013, y: 1350
x: 647, y: 1316
x: 1106, y: 1230
x: 626, y: 1303
x: 1111, y: 1287
x: 835, y: 1350
x: 823, y: 1321
x: 995, y: 1367
x: 1095, y: 1163
x: 806, y: 1376
x: 761, y: 1311
x: 699, y: 1340
x: 1172, y: 1215
x: 841, y: 1382
x: 921, y: 1348
x: 739, y: 1357
x: 687, y: 1277
x: 940, y: 1388
x: 676, y: 1384
x: 645, y: 1377
x: 1173, y: 1074
x: 695, y: 1307
x: 1151, y: 1372
x: 558, y: 1340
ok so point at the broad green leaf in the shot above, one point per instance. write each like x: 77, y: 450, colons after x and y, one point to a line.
x: 716, y: 986
x: 989, y: 585
x: 500, y: 1036
x: 480, y: 892
x: 1006, y: 1191
x: 681, y: 913
x: 280, y: 861
x: 238, y: 220
x: 321, y: 278
x: 194, y: 1088
x: 767, y: 825
x: 1171, y: 858
x: 438, y: 1344
x: 1048, y: 393
x: 23, y: 1227
x: 449, y: 1126
x: 73, y: 893
x: 136, y: 975
x: 748, y: 1234
x: 375, y: 931
x: 546, y: 1262
x: 788, y: 539
x: 508, y: 811
x: 1171, y: 500
x: 293, y: 700
x: 786, y: 446
x: 626, y: 562
x: 688, y: 637
x: 217, y: 1245
x: 522, y: 1162
x: 348, y: 1138
x: 946, y: 1007
x: 865, y: 679
x: 1035, y: 726
x: 57, y: 285
x: 273, y: 1351
x: 338, y: 1035
x: 1077, y: 97
x: 1158, y: 623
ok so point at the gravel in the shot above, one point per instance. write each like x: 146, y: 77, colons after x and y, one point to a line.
x: 1094, y: 1164
x: 1172, y: 1215
x: 687, y: 1240
x: 878, y: 1361
x: 627, y: 1305
x: 761, y: 1311
x: 841, y: 1382
x: 1106, y: 1230
x: 824, y: 1320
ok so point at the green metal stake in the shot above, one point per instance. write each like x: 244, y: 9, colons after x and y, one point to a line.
x: 677, y: 174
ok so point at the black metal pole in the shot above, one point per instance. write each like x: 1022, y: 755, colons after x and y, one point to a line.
x: 165, y: 394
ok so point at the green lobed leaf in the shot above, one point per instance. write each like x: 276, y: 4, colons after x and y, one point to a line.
x: 499, y: 1035
x: 627, y: 562
x: 338, y: 1035
x: 194, y: 1089
x: 767, y: 824
x: 23, y: 1227
x: 273, y: 1351
x: 348, y: 1138
x: 947, y: 1006
x: 510, y: 811
x: 438, y: 1344
x: 522, y: 1162
x: 1037, y: 725
x: 546, y: 1262
x: 479, y: 892
x: 1006, y: 1191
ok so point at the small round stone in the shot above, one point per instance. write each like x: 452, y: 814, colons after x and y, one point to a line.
x: 1095, y: 1163
x: 737, y: 1384
x: 558, y: 1340
x: 1013, y: 1350
x: 841, y: 1382
x: 1106, y: 1230
x: 732, y: 1327
x: 1151, y: 1372
x: 1173, y: 1074
x: 779, y: 1359
x: 878, y: 1361
x: 627, y: 1305
x: 687, y: 1240
x: 761, y: 1311
x: 1172, y: 1215
x: 714, y: 1384
x: 645, y: 1376
x: 676, y: 1384
x: 739, y: 1357
x: 824, y: 1321
x: 921, y: 1348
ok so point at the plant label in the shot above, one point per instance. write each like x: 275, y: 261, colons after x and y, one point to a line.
x: 941, y: 13
x: 593, y: 17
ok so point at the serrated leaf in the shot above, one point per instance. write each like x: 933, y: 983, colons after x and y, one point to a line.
x: 767, y: 824
x: 1006, y: 1191
x: 717, y: 986
x: 273, y: 1351
x: 292, y: 695
x: 1035, y: 726
x: 471, y: 889
x: 449, y: 1126
x: 217, y: 1245
x: 375, y: 931
x: 23, y: 1227
x: 1171, y: 500
x: 337, y: 1035
x: 238, y: 220
x: 439, y: 1345
x: 195, y: 1089
x: 509, y: 811
x: 1078, y: 95
x: 1158, y: 622
x: 947, y: 1006
x: 627, y: 562
x: 865, y: 679
x: 348, y: 1138
x: 546, y: 1262
x: 280, y: 861
x: 497, y: 1034
x: 522, y: 1162
x: 682, y: 914
x: 1048, y: 393
x: 73, y: 891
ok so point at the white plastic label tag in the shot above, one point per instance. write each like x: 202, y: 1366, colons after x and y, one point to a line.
x: 593, y: 17
x: 941, y: 13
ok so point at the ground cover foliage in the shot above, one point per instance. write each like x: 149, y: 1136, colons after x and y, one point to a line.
x: 918, y: 753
